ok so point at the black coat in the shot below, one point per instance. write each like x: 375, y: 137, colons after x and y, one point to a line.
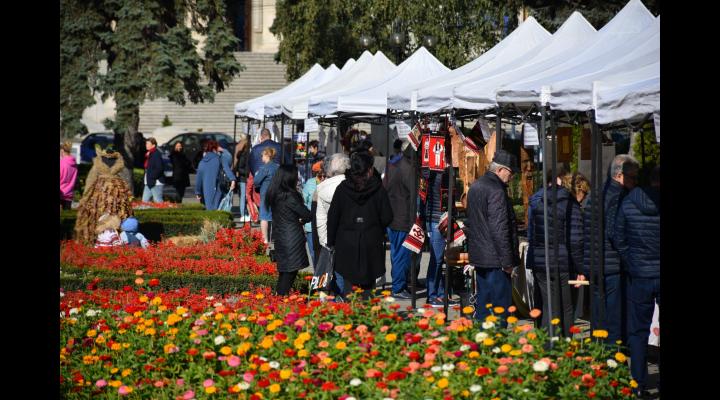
x: 637, y: 232
x: 570, y: 233
x: 289, y: 215
x: 614, y: 192
x: 491, y: 229
x: 356, y: 228
x: 242, y: 166
x: 399, y: 183
x: 154, y: 170
x: 181, y: 169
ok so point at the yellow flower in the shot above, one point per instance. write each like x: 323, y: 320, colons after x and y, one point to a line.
x: 465, y: 393
x: 143, y: 299
x: 115, y: 346
x: 148, y: 322
x: 136, y: 314
x: 162, y: 308
x: 555, y: 321
x: 210, y: 389
x: 126, y: 372
x: 304, y: 336
x: 633, y: 384
x: 491, y: 318
x: 620, y: 357
x: 264, y: 367
x: 443, y: 383
x: 115, y: 383
x: 303, y: 353
x: 156, y: 300
x: 173, y: 331
x: 515, y: 353
x: 511, y: 320
x: 266, y: 343
x: 173, y: 319
x: 100, y: 340
x: 114, y: 370
x: 385, y: 293
x: 274, y: 388
x: 390, y: 337
x: 474, y: 354
x: 243, y: 348
x: 430, y: 379
x: 285, y: 374
x: 180, y: 310
x: 243, y: 331
x: 91, y: 333
x: 245, y: 293
x: 218, y: 316
x: 226, y: 350
x: 259, y: 296
x: 506, y: 348
x: 600, y: 333
x: 531, y: 335
x: 327, y: 361
x: 169, y: 347
x: 150, y: 331
x: 488, y: 305
x: 498, y: 310
x: 340, y: 345
x: 488, y: 342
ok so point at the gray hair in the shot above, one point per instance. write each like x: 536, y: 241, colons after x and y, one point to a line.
x: 623, y: 163
x: 493, y: 167
x: 336, y: 164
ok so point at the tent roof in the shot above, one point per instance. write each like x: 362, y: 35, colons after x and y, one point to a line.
x: 574, y: 35
x: 296, y: 107
x: 376, y: 72
x: 420, y: 66
x: 633, y: 26
x: 434, y: 94
x: 627, y: 96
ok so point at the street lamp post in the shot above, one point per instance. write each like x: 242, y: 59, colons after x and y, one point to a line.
x: 397, y: 40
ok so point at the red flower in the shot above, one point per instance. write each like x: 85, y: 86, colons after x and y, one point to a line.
x: 328, y: 386
x: 396, y: 376
x: 482, y: 371
x: 626, y: 391
x: 225, y: 372
x: 264, y: 382
x: 591, y: 395
x: 191, y: 352
x: 614, y: 383
x: 381, y: 385
x: 588, y: 380
x: 154, y: 282
x: 575, y: 373
x: 574, y: 329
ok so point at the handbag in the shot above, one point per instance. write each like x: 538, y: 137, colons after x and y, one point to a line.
x: 222, y: 178
x: 324, y: 271
x: 226, y: 202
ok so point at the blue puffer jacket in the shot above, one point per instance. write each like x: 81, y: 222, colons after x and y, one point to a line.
x: 570, y: 232
x: 637, y: 232
x: 613, y: 195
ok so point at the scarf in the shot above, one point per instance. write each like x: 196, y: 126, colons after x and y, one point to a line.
x: 147, y: 156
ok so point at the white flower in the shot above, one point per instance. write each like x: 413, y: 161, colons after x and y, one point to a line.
x: 208, y: 314
x: 74, y: 311
x: 243, y: 386
x: 348, y: 398
x: 217, y: 304
x: 554, y: 339
x: 389, y: 299
x: 209, y: 298
x: 448, y: 367
x: 475, y: 388
x: 567, y: 339
x: 62, y: 294
x: 540, y: 366
x: 91, y: 313
x: 274, y: 364
x: 62, y: 314
x: 436, y: 368
x: 496, y: 350
x: 219, y: 339
x: 355, y: 382
x: 464, y: 347
x: 480, y: 336
x: 487, y: 325
x: 526, y: 390
x: 611, y: 363
x: 446, y: 373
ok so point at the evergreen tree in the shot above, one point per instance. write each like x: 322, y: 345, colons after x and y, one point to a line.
x: 552, y: 13
x: 147, y: 51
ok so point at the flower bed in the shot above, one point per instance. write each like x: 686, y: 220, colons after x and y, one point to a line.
x: 144, y: 205
x: 180, y: 345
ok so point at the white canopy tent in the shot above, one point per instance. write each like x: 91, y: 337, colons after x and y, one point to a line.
x: 572, y: 37
x: 627, y: 96
x: 420, y: 66
x: 625, y: 36
x: 364, y: 68
x: 436, y: 94
x: 260, y: 107
x: 379, y: 70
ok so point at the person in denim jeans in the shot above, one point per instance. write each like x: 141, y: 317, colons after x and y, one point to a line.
x: 432, y: 211
x: 241, y: 169
x: 154, y: 176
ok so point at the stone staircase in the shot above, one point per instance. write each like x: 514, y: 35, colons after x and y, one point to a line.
x: 261, y: 76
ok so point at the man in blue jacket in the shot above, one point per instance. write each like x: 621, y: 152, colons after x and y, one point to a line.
x: 492, y: 235
x: 637, y: 238
x: 256, y: 152
x: 622, y: 178
x: 154, y: 175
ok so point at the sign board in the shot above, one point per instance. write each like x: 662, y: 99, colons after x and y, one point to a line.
x: 656, y: 118
x: 300, y: 137
x: 311, y: 125
x: 564, y: 150
x: 402, y: 128
x: 485, y: 129
x: 585, y: 142
x: 433, y: 152
x: 287, y: 130
x: 530, y: 135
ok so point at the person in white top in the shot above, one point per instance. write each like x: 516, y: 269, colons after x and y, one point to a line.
x: 335, y: 167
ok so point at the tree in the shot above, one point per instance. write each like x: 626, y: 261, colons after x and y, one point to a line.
x: 135, y: 50
x: 552, y: 13
x: 317, y: 31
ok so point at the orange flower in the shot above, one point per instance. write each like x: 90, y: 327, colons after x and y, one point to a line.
x: 534, y: 313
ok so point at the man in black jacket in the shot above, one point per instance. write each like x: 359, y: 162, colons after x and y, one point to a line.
x: 622, y: 177
x: 154, y: 175
x: 492, y: 235
x: 398, y: 183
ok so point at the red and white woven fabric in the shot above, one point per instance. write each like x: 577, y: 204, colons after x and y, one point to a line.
x: 415, y: 238
x: 108, y: 238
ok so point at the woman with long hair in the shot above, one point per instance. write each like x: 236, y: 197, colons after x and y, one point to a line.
x: 181, y: 170
x: 359, y: 213
x: 207, y: 184
x: 241, y: 169
x: 289, y: 214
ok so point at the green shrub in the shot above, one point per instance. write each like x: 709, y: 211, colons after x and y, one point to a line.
x: 72, y: 278
x: 156, y: 223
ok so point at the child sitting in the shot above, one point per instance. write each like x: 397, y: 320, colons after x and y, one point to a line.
x: 130, y: 234
x: 106, y: 229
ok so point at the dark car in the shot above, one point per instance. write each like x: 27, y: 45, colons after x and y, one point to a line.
x: 87, y: 146
x: 192, y: 144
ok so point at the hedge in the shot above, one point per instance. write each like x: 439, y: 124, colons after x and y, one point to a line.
x: 72, y: 278
x: 156, y: 223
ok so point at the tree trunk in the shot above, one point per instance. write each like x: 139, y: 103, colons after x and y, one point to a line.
x: 128, y: 119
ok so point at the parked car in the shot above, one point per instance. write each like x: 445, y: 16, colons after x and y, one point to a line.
x: 192, y: 144
x: 87, y: 145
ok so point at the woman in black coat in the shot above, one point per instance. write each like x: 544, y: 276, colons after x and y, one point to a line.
x: 289, y: 215
x: 181, y: 170
x: 359, y: 213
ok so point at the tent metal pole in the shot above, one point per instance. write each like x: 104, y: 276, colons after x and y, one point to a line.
x: 597, y: 198
x: 642, y: 146
x: 235, y: 129
x: 598, y: 230
x: 556, y: 227
x: 414, y: 257
x: 282, y: 139
x: 543, y: 141
x: 498, y: 130
x: 450, y: 233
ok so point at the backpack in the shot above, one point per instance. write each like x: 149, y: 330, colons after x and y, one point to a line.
x: 132, y: 239
x: 222, y: 178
